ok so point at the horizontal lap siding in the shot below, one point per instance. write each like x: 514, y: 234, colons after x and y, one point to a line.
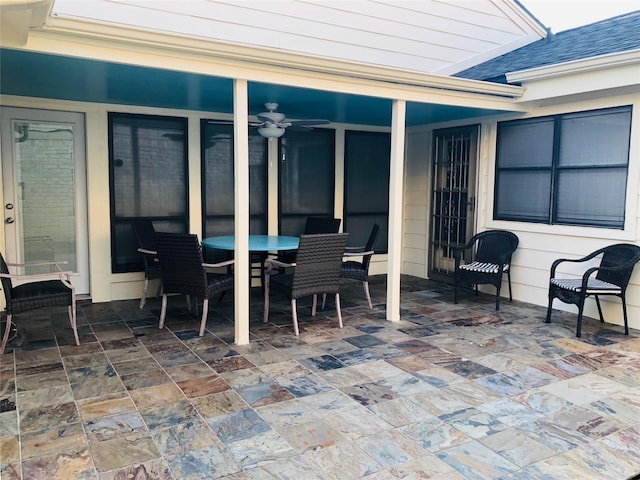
x: 426, y: 36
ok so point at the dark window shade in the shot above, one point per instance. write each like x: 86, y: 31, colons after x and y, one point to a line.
x: 524, y: 195
x: 568, y: 169
x: 595, y: 139
x: 218, y: 180
x: 591, y: 197
x: 148, y: 177
x: 527, y: 143
x: 306, y: 169
x: 366, y: 187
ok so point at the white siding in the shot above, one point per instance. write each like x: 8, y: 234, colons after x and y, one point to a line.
x: 427, y: 36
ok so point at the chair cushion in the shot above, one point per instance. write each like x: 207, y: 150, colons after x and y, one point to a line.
x: 482, y: 267
x: 354, y: 270
x: 40, y: 294
x: 218, y: 283
x: 594, y: 286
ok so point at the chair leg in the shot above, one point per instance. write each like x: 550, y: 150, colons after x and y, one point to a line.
x: 205, y: 311
x: 509, y: 282
x: 338, y: 309
x: 324, y: 300
x: 580, y: 310
x: 624, y: 313
x: 163, y: 310
x: 294, y: 314
x: 365, y: 284
x: 599, y: 309
x: 143, y: 297
x: 497, y: 298
x: 265, y: 314
x: 5, y: 337
x: 314, y: 304
x: 548, y: 319
x: 74, y: 324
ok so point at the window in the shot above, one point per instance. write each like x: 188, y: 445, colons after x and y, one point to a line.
x: 218, y: 180
x: 366, y: 186
x: 567, y: 169
x: 306, y: 171
x: 148, y: 179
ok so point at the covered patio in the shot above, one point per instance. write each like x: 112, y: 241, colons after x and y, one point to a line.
x: 447, y: 392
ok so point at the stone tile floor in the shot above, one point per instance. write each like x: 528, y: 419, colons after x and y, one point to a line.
x: 449, y: 392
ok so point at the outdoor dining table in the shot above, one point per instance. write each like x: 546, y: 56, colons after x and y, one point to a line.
x: 257, y: 244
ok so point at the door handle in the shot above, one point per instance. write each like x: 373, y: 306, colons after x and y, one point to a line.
x: 9, y: 220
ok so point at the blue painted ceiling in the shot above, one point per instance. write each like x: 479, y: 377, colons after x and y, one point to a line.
x: 66, y: 78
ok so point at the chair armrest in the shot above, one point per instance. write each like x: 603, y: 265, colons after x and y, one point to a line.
x: 271, y: 263
x: 63, y: 276
x: 147, y: 252
x: 219, y: 264
x: 355, y: 249
x: 557, y: 262
x: 39, y: 264
x: 358, y: 254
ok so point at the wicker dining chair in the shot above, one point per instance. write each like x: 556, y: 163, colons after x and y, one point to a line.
x: 184, y: 272
x: 491, y: 253
x: 316, y: 271
x: 610, y: 277
x: 312, y: 226
x: 37, y: 290
x: 144, y: 231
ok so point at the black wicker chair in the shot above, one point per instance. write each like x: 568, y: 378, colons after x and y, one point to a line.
x: 491, y: 253
x: 313, y: 226
x: 144, y: 231
x: 355, y: 270
x: 318, y: 225
x: 315, y: 271
x: 184, y: 272
x: 49, y: 289
x: 611, y: 277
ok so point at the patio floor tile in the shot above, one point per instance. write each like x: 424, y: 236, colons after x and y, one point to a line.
x: 455, y: 392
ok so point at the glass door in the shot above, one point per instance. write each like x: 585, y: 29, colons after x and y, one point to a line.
x: 453, y: 201
x: 44, y: 190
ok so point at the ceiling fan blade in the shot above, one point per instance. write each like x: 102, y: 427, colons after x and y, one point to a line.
x: 310, y: 122
x: 300, y: 128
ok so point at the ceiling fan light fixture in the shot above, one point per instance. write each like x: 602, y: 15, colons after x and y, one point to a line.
x: 271, y: 131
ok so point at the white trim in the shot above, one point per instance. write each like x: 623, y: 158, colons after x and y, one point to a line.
x: 601, y: 62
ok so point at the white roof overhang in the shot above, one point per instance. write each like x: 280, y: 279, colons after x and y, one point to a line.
x: 601, y: 73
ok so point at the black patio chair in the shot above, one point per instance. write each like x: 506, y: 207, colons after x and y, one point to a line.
x: 318, y: 225
x: 315, y: 271
x: 359, y: 270
x: 610, y: 277
x: 491, y: 253
x: 313, y: 226
x: 184, y: 272
x: 144, y: 231
x: 37, y: 290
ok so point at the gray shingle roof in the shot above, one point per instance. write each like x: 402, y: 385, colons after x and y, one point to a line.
x: 617, y: 34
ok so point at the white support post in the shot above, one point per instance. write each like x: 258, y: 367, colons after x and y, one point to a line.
x: 396, y: 173
x: 241, y: 185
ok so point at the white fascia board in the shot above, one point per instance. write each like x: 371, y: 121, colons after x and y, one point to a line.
x: 605, y: 72
x: 576, y: 66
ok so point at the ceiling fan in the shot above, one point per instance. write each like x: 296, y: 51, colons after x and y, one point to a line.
x: 273, y: 124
